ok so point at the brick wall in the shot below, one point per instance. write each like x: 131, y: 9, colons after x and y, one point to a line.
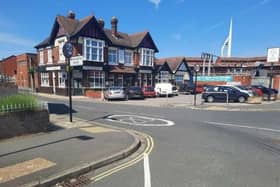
x: 26, y: 122
x: 243, y: 79
x: 276, y: 82
x: 8, y: 66
x: 93, y: 93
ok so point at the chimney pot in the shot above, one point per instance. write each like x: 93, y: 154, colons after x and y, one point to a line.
x: 101, y: 23
x: 114, y: 26
x: 71, y: 14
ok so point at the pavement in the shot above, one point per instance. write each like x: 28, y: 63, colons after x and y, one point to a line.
x: 69, y: 150
x: 180, y: 101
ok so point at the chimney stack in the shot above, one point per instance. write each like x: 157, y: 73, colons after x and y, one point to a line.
x: 71, y: 14
x: 101, y: 23
x: 114, y: 26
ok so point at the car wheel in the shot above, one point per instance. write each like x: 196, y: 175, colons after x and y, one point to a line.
x: 241, y: 99
x: 210, y: 99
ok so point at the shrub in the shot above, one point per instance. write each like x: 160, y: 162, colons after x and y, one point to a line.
x: 18, y: 102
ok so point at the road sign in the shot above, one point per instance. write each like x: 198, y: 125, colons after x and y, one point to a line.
x: 76, y: 61
x: 68, y: 50
x: 273, y: 54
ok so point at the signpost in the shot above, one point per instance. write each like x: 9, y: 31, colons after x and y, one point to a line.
x: 273, y: 55
x: 68, y: 53
x: 196, y: 70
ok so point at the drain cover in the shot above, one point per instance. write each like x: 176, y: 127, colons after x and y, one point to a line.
x: 74, y: 182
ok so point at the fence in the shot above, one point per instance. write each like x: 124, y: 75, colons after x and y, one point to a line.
x: 23, y: 107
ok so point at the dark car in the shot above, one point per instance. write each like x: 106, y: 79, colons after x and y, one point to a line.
x: 266, y: 90
x: 224, y: 94
x: 135, y: 92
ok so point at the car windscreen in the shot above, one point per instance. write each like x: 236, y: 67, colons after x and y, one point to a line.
x: 149, y: 89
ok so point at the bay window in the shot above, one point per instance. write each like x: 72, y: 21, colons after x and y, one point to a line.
x: 121, y: 56
x: 147, y: 57
x: 112, y: 56
x: 93, y: 50
x: 128, y: 58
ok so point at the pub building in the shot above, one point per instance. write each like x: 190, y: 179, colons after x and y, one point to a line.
x: 102, y: 57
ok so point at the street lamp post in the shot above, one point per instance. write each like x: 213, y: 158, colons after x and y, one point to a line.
x: 68, y: 53
x: 196, y: 70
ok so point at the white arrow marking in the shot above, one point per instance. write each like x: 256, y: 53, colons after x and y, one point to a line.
x: 147, y: 172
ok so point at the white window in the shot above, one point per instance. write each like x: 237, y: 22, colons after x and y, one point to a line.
x: 128, y: 58
x: 147, y: 57
x: 121, y: 56
x: 50, y: 56
x: 45, y: 79
x: 93, y: 50
x: 164, y: 76
x: 61, y: 43
x: 112, y: 56
x: 61, y: 80
x: 96, y: 79
x: 41, y: 53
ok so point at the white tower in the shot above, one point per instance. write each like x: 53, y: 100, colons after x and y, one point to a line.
x: 228, y: 42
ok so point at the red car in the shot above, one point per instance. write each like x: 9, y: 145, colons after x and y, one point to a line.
x: 149, y: 91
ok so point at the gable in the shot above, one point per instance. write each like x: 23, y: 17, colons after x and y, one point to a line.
x: 148, y: 42
x: 182, y: 67
x: 92, y: 30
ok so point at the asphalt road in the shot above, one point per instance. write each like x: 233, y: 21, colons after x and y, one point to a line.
x: 203, y: 148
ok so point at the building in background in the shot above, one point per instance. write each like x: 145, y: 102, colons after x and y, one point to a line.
x: 8, y: 69
x: 102, y: 57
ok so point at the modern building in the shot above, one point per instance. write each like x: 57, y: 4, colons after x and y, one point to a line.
x: 102, y: 57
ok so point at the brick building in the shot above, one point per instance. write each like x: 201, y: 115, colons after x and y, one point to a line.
x: 102, y: 57
x: 8, y: 68
x: 20, y: 69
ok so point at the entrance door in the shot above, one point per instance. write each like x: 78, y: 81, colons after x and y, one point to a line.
x: 53, y: 76
x: 77, y: 84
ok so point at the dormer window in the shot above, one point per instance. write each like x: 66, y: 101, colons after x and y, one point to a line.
x: 147, y: 57
x: 93, y: 50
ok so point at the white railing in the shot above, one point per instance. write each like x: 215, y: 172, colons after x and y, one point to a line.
x: 23, y: 107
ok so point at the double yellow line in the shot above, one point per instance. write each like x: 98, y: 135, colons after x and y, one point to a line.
x: 148, y: 150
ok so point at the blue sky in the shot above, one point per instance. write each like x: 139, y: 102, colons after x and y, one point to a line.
x: 179, y: 27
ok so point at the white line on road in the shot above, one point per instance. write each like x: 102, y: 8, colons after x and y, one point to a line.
x: 241, y: 126
x: 143, y: 114
x: 147, y: 172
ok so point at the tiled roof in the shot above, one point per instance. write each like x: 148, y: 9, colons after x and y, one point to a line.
x: 117, y: 69
x: 73, y: 26
x: 173, y: 62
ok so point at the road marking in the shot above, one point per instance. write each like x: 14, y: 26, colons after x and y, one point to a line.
x: 241, y: 126
x: 137, y: 120
x: 97, y: 130
x: 144, y: 114
x: 147, y: 171
x: 148, y: 150
x: 25, y: 168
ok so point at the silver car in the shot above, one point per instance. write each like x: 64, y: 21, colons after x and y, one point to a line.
x: 115, y: 93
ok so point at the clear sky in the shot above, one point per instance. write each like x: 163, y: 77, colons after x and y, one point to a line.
x: 178, y: 27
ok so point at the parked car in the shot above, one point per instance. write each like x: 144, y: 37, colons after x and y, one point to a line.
x: 149, y: 91
x: 135, y: 92
x: 163, y: 89
x: 220, y: 93
x: 266, y: 91
x: 115, y: 93
x: 189, y: 88
x: 245, y: 90
x: 256, y: 90
x: 174, y: 90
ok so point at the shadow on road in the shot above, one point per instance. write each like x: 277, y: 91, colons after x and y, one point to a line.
x: 59, y: 108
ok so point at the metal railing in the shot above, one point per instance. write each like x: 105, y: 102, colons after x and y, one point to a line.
x: 23, y: 107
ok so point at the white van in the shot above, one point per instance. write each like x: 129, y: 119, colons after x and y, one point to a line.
x: 163, y: 89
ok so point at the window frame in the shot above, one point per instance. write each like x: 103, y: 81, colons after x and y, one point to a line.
x: 61, y: 81
x: 147, y: 57
x: 125, y: 57
x: 96, y: 75
x: 99, y: 48
x: 116, y: 55
x: 45, y: 79
x: 41, y: 56
x: 50, y: 60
